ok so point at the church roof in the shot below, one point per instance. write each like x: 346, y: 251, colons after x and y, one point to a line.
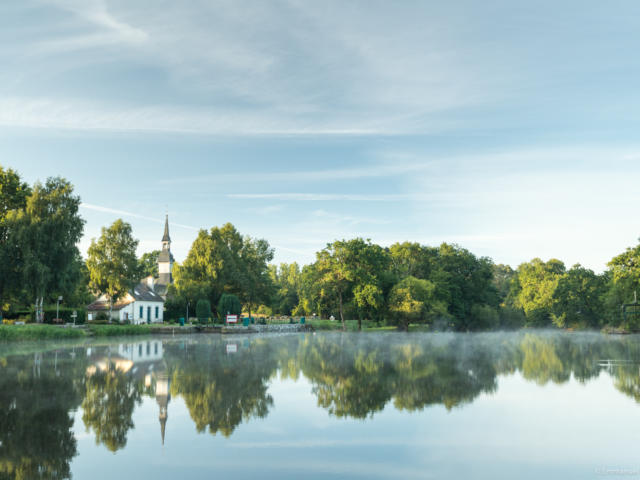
x: 140, y: 293
x: 165, y: 256
x: 166, y: 237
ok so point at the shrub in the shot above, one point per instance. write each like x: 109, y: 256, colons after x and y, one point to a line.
x: 203, y: 310
x: 65, y: 314
x: 174, y: 308
x: 229, y: 305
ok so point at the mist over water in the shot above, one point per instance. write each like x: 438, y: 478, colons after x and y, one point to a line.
x: 339, y: 405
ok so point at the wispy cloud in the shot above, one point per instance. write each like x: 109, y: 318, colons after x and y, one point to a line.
x: 255, y: 69
x: 321, y: 197
x: 368, y: 170
x: 124, y: 213
x: 70, y: 114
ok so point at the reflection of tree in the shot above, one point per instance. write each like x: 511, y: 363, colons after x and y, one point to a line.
x: 440, y: 374
x: 220, y: 390
x: 357, y: 378
x: 108, y: 405
x: 36, y: 441
x: 348, y: 380
x: 540, y: 361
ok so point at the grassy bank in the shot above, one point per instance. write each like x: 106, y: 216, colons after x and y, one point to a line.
x: 12, y: 333
x: 37, y: 332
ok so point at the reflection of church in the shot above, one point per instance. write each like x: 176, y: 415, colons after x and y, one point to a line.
x: 144, y: 362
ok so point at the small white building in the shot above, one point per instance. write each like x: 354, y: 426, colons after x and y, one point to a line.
x: 140, y: 305
x: 145, y: 302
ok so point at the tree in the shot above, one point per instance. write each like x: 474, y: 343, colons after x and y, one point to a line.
x: 13, y: 196
x: 112, y: 262
x: 223, y: 261
x: 534, y: 290
x: 43, y: 238
x: 229, y: 305
x: 578, y: 298
x: 410, y: 259
x: 203, y: 310
x: 413, y: 300
x: 351, y: 268
x: 256, y: 285
x: 287, y: 282
x: 148, y: 264
x: 624, y: 281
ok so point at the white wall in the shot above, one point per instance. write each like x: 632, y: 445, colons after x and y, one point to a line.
x: 132, y: 311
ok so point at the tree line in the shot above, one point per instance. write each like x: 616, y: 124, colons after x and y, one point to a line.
x: 444, y: 287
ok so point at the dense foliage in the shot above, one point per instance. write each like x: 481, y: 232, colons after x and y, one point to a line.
x: 224, y: 261
x: 443, y: 287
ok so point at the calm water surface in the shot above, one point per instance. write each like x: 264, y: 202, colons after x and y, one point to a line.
x: 522, y: 405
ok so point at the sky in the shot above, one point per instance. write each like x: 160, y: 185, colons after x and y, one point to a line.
x: 509, y: 128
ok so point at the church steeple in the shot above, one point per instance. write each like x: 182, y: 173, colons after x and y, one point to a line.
x: 165, y: 259
x: 166, y: 239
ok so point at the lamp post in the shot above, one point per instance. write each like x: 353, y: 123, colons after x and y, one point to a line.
x: 58, y: 307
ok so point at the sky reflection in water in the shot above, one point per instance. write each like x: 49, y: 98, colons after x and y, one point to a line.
x: 522, y: 405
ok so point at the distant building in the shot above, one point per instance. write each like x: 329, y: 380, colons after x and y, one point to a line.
x: 145, y: 302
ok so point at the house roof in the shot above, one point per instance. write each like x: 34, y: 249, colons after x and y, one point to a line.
x: 143, y: 293
x: 139, y: 293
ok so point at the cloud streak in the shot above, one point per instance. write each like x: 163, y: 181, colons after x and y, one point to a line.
x: 124, y: 213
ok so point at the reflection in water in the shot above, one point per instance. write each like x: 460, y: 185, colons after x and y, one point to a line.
x: 224, y: 382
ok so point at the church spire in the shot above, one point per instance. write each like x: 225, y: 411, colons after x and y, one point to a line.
x: 166, y: 237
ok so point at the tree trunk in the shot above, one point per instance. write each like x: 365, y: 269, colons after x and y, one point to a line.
x: 110, y: 308
x: 359, y: 321
x: 344, y: 328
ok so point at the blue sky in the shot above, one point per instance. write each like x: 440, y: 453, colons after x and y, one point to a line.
x: 509, y: 128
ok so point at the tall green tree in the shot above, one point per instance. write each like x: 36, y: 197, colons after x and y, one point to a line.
x: 534, y: 290
x: 148, y: 264
x: 579, y: 298
x: 13, y: 197
x: 44, y: 236
x: 255, y: 284
x: 287, y: 281
x: 624, y: 275
x: 350, y: 269
x: 223, y: 261
x: 112, y: 262
x: 414, y: 300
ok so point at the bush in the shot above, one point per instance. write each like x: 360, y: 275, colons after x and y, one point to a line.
x: 203, y: 310
x: 229, y: 305
x: 65, y: 314
x: 175, y: 308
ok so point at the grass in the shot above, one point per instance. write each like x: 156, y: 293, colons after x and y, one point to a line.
x: 14, y: 333
x: 9, y: 333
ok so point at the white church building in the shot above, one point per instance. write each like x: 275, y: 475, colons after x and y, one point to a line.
x: 145, y: 302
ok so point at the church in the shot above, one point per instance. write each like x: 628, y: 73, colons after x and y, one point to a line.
x: 145, y: 302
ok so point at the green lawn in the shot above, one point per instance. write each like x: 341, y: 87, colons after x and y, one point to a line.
x: 37, y: 332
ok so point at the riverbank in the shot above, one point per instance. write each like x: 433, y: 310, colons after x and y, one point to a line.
x: 34, y: 332
x: 13, y: 333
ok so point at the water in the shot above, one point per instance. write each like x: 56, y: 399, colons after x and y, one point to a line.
x: 522, y: 405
